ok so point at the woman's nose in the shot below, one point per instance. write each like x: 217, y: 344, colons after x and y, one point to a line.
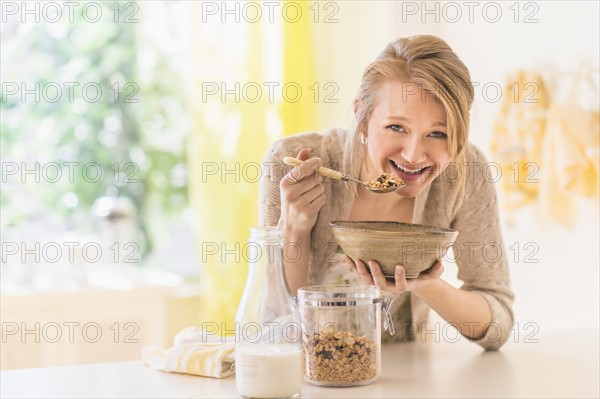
x: 413, y: 151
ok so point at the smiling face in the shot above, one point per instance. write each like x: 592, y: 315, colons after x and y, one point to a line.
x: 407, y: 136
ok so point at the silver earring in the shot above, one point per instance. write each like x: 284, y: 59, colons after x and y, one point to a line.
x: 363, y: 138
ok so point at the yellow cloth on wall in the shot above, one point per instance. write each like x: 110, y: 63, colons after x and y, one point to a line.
x: 194, y: 352
x: 518, y: 134
x: 571, y: 159
x: 548, y: 152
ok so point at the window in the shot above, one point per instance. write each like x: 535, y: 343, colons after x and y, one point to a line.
x: 94, y: 127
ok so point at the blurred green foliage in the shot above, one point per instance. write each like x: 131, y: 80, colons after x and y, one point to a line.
x: 134, y: 133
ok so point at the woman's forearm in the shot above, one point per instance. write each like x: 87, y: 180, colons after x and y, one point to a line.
x: 296, y: 256
x: 468, y: 311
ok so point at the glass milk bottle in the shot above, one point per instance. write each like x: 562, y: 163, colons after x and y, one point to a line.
x: 268, y: 352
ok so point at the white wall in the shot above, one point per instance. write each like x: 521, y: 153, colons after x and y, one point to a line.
x: 562, y: 289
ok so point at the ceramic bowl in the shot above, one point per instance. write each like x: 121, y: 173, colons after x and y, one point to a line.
x: 414, y: 246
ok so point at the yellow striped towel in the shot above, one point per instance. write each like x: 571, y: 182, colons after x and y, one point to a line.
x: 194, y: 352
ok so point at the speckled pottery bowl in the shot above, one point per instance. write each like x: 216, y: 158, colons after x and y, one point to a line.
x: 414, y: 246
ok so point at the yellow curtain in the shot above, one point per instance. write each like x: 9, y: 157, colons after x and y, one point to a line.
x: 299, y: 71
x: 230, y: 138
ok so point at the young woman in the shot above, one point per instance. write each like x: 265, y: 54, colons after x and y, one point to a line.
x: 411, y: 120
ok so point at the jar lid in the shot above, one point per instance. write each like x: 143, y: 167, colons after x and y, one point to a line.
x: 338, y: 295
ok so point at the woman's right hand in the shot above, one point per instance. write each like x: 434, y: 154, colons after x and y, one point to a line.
x: 302, y: 196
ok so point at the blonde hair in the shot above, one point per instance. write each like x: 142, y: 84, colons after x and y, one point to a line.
x: 430, y: 63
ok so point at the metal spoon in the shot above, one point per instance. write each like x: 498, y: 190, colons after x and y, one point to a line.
x: 334, y: 174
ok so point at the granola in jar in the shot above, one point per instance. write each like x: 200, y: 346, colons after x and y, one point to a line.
x: 340, y: 358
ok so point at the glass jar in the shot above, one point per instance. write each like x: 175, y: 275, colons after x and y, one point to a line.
x: 268, y: 352
x: 341, y: 334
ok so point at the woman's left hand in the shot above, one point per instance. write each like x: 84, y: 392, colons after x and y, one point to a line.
x: 400, y: 283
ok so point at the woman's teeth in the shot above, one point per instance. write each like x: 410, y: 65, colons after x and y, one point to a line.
x: 410, y: 172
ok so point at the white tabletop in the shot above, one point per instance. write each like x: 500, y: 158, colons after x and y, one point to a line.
x: 560, y: 364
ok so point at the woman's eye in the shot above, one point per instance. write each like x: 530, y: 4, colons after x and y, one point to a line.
x: 396, y: 128
x: 439, y: 135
